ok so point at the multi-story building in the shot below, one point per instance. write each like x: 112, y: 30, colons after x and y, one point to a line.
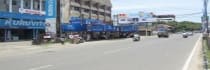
x: 25, y: 19
x: 90, y: 9
x: 21, y: 19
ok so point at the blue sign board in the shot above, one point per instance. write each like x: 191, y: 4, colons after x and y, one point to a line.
x: 21, y: 16
x: 22, y: 24
x: 51, y: 6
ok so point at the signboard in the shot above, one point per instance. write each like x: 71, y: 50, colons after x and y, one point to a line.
x: 51, y: 13
x: 122, y: 16
x: 146, y: 17
x: 51, y: 8
x: 50, y: 25
x: 22, y: 24
x: 29, y: 11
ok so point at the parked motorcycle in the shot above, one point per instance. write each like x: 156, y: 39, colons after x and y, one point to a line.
x: 136, y: 37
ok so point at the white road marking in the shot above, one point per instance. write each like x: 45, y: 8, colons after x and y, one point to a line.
x: 117, y: 50
x: 41, y: 67
x: 187, y: 63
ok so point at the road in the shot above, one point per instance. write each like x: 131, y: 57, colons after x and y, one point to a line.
x: 151, y: 53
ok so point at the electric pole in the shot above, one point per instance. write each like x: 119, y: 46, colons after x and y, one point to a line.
x: 58, y: 19
x: 205, y: 15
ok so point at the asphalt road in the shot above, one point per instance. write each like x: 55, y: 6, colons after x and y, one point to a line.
x: 151, y: 53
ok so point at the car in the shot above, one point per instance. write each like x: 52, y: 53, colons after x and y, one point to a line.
x: 190, y: 33
x: 185, y: 34
x: 163, y: 33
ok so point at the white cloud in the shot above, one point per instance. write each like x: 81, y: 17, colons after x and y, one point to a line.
x: 176, y: 7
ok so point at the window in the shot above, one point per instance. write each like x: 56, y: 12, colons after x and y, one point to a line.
x: 77, y: 1
x: 94, y: 12
x: 26, y: 4
x: 95, y: 5
x: 101, y: 13
x: 122, y: 19
x: 14, y: 2
x: 43, y: 5
x: 87, y: 3
x: 86, y: 10
x: 135, y: 19
x: 36, y: 5
x: 102, y: 7
x: 76, y: 8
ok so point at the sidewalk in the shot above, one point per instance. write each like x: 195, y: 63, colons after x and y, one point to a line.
x: 196, y: 62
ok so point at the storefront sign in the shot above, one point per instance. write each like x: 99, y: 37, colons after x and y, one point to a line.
x: 51, y: 7
x: 29, y: 11
x: 22, y: 24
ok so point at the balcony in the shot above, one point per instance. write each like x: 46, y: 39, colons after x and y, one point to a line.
x: 108, y: 18
x: 94, y: 8
x: 101, y: 10
x: 75, y: 4
x: 85, y: 6
x: 75, y: 13
x: 101, y: 17
x: 86, y: 15
x: 93, y: 16
x: 108, y: 11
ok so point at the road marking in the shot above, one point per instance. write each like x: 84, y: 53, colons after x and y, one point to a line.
x: 187, y: 63
x: 41, y: 67
x: 115, y: 51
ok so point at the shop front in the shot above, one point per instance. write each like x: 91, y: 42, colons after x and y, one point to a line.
x: 15, y: 27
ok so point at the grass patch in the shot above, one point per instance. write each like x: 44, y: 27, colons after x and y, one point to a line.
x: 205, y: 46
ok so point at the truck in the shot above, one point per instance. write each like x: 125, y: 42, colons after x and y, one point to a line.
x: 92, y: 29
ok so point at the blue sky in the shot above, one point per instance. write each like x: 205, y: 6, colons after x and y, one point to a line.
x: 177, y: 7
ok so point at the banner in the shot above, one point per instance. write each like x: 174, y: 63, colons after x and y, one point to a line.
x: 51, y: 13
x: 22, y: 24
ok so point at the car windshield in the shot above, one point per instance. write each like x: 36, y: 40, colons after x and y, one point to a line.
x: 104, y: 35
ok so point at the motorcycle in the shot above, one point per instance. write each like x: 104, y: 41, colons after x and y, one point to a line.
x: 136, y: 37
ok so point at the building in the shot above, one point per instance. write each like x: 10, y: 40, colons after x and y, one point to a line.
x: 87, y: 9
x: 21, y: 19
x: 26, y: 19
x: 165, y: 18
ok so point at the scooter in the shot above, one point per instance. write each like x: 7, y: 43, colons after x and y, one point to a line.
x: 136, y: 37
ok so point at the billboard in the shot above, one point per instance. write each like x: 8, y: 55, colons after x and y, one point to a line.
x: 146, y: 17
x: 51, y: 13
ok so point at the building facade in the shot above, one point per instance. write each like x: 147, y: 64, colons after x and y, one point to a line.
x: 88, y: 9
x: 165, y: 18
x: 21, y: 19
x: 25, y: 19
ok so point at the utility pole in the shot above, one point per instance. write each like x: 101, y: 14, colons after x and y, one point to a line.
x: 205, y: 15
x: 58, y: 19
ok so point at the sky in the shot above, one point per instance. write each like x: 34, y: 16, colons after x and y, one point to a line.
x: 180, y: 8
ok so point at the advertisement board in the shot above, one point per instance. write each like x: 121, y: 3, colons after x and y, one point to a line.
x: 23, y: 24
x: 51, y: 13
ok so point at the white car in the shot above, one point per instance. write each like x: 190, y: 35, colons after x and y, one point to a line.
x: 185, y: 35
x: 190, y: 33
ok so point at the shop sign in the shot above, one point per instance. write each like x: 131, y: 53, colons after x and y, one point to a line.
x: 29, y: 11
x: 23, y: 24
